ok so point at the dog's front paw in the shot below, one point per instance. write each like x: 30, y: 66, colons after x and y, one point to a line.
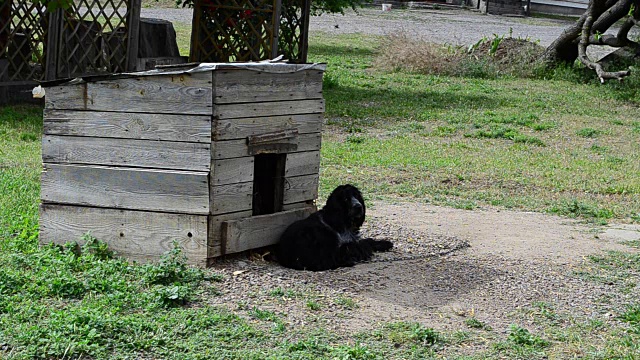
x: 382, y: 245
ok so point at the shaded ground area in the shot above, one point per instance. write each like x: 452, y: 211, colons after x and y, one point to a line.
x: 514, y: 261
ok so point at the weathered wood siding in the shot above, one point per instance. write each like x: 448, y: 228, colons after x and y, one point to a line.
x: 238, y: 148
x: 247, y: 86
x: 160, y: 127
x: 138, y: 235
x: 168, y: 94
x: 265, y: 109
x: 126, y: 152
x: 126, y: 188
x: 241, y: 128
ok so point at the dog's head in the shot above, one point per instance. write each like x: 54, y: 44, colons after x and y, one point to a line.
x: 348, y: 202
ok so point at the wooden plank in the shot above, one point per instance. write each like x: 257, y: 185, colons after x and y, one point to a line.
x: 171, y: 94
x: 304, y: 29
x: 249, y: 86
x: 162, y: 127
x: 54, y: 29
x: 231, y: 171
x: 275, y: 20
x: 136, y: 235
x: 238, y: 148
x: 302, y: 163
x: 261, y: 109
x: 231, y: 198
x: 151, y: 63
x: 298, y: 205
x: 215, y: 230
x: 228, y: 129
x: 279, y: 142
x: 300, y: 188
x: 126, y: 152
x: 258, y: 231
x: 126, y: 188
x: 133, y: 35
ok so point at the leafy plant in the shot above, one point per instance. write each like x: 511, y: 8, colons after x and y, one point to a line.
x: 477, y: 324
x: 521, y: 336
x: 588, y: 132
x: 313, y: 305
x: 263, y: 314
x: 356, y: 352
x: 172, y: 269
x: 173, y: 295
x: 346, y: 302
x: 495, y: 44
x: 576, y: 208
x: 426, y: 336
x: 632, y: 316
x: 97, y: 248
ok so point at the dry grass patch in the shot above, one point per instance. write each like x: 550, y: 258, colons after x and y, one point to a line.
x: 488, y: 58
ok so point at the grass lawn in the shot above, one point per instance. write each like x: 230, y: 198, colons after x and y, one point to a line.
x: 562, y: 145
x: 543, y: 145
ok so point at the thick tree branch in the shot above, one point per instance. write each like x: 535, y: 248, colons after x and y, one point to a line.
x: 613, y: 12
x: 590, y: 29
x: 610, y: 40
x: 623, y: 33
x: 593, y: 13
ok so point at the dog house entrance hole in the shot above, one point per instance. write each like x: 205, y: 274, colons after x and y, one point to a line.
x: 268, y: 183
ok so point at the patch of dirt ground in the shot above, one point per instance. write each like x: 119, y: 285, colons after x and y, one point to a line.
x: 447, y: 265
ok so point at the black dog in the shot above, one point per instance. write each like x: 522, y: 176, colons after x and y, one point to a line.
x: 329, y: 238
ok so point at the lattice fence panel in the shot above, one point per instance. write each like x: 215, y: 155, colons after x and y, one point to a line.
x: 233, y: 30
x: 23, y: 27
x: 93, y: 38
x: 294, y: 27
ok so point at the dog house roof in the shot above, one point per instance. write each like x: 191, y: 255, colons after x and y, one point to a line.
x: 192, y: 68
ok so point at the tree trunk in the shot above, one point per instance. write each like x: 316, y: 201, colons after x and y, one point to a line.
x: 590, y: 29
x: 565, y: 48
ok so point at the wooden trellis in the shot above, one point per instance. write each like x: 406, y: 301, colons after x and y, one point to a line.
x: 23, y: 26
x: 293, y: 40
x: 93, y: 37
x: 249, y: 30
x: 101, y: 37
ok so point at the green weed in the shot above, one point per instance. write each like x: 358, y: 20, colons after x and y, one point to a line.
x: 313, y: 305
x: 411, y: 333
x: 264, y: 314
x: 632, y: 243
x: 632, y: 317
x: 520, y: 342
x: 477, y: 324
x: 506, y: 133
x: 278, y: 292
x: 588, y: 132
x: 346, y: 302
x: 577, y: 208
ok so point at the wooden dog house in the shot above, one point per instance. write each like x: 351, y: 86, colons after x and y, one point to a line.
x: 219, y: 157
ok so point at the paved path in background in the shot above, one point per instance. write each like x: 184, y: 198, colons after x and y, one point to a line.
x: 459, y: 27
x: 446, y: 26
